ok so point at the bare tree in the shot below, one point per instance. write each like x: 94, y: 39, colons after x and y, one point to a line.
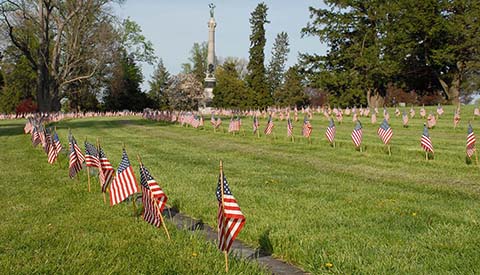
x: 64, y: 41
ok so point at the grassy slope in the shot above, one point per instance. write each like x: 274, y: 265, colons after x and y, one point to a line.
x: 364, y: 212
x: 51, y: 224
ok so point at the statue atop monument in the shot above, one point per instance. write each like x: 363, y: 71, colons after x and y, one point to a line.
x: 212, y: 7
x: 210, y: 79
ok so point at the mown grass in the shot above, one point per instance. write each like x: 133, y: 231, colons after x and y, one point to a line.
x: 364, y: 212
x: 50, y: 224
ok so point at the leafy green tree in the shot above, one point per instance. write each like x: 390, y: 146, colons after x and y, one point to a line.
x: 256, y: 77
x: 198, y: 61
x: 19, y: 81
x: 276, y: 66
x: 123, y: 91
x: 292, y: 91
x: 158, y: 86
x: 231, y: 91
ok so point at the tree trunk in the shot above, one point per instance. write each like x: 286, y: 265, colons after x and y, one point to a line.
x: 374, y: 98
x: 43, y: 88
x: 452, y: 92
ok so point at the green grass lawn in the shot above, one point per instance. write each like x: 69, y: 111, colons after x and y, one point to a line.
x: 50, y: 224
x: 364, y: 212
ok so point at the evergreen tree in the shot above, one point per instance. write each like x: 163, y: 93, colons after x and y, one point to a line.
x: 292, y: 92
x: 276, y: 67
x: 256, y: 77
x: 123, y: 91
x: 231, y: 91
x: 158, y: 86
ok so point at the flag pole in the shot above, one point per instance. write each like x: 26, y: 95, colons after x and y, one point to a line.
x: 88, y: 172
x: 156, y: 205
x: 133, y: 197
x: 99, y: 171
x: 223, y: 202
x: 389, y: 151
x: 476, y: 157
x: 426, y: 155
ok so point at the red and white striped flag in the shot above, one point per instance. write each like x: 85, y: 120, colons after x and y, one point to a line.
x: 330, y: 132
x: 425, y: 140
x: 52, y: 151
x: 357, y: 134
x: 289, y: 128
x: 91, y: 156
x: 124, y: 184
x: 153, y: 197
x: 105, y: 170
x: 255, y: 124
x: 230, y: 217
x: 269, y: 129
x: 307, y: 128
x: 470, y: 141
x: 456, y: 118
x: 405, y: 119
x: 76, y: 157
x: 385, y: 132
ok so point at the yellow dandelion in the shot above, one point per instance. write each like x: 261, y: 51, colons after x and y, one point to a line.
x: 194, y: 254
x: 328, y: 265
x: 414, y: 214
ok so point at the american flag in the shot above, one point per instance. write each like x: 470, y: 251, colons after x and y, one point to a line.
x: 397, y: 112
x: 219, y: 122
x: 357, y: 134
x: 307, y: 128
x: 423, y: 113
x: 425, y: 141
x: 35, y: 137
x: 124, y: 184
x: 268, y: 130
x: 57, y: 143
x: 386, y: 115
x: 405, y: 119
x: 431, y: 121
x: 28, y: 126
x: 289, y: 127
x: 105, y: 170
x: 385, y: 132
x: 339, y: 115
x: 212, y: 121
x: 456, y: 118
x: 439, y: 109
x: 374, y: 118
x: 476, y: 111
x: 91, y: 155
x: 330, y: 132
x: 52, y: 151
x: 153, y: 198
x: 255, y: 124
x: 470, y: 141
x: 230, y: 217
x: 76, y: 157
x: 412, y: 112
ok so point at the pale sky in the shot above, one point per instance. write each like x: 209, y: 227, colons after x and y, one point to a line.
x: 173, y: 27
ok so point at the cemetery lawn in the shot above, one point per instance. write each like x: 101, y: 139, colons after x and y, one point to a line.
x: 325, y: 209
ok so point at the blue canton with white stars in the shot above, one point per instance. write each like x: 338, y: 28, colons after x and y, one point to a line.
x: 124, y: 164
x: 226, y: 189
x: 145, y: 176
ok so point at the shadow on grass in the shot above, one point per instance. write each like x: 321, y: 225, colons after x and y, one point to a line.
x: 265, y: 244
x: 11, y: 129
x: 106, y: 124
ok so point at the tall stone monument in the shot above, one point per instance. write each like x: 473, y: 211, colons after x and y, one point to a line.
x: 211, y: 60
